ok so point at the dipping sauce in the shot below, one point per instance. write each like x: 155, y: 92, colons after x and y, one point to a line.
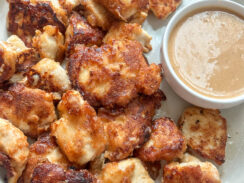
x: 206, y: 51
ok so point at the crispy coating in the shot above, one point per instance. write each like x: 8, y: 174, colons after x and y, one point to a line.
x: 163, y: 8
x: 48, y: 75
x: 126, y: 129
x: 165, y: 143
x: 52, y: 173
x: 96, y: 14
x: 31, y: 110
x: 27, y: 16
x: 131, y: 31
x: 84, y: 133
x: 129, y: 170
x: 14, y: 150
x: 205, y: 131
x: 26, y: 57
x: 49, y: 43
x: 127, y: 10
x: 190, y: 170
x: 44, y: 150
x: 112, y: 74
x: 80, y: 32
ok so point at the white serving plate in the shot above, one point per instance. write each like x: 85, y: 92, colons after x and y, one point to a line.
x: 232, y: 171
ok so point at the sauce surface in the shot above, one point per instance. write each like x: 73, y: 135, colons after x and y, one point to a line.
x: 206, y: 51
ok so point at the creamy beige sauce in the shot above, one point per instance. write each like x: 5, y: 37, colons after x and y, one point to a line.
x: 206, y: 50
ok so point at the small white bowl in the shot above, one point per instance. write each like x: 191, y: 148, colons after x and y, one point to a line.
x: 179, y: 86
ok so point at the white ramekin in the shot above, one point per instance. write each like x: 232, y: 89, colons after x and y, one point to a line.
x: 178, y: 86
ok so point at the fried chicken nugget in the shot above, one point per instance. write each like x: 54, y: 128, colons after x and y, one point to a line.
x: 96, y: 14
x: 127, y: 10
x: 13, y: 150
x: 84, y: 132
x: 131, y: 31
x: 112, y: 74
x: 44, y: 150
x: 129, y: 170
x: 165, y: 143
x: 49, y: 43
x: 26, y: 57
x: 48, y: 75
x: 205, y: 131
x: 31, y: 110
x: 52, y: 173
x: 126, y: 129
x: 80, y: 32
x: 190, y: 170
x: 14, y: 56
x: 27, y: 16
x: 163, y: 8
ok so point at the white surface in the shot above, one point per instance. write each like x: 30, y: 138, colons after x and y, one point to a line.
x: 233, y: 169
x: 174, y: 81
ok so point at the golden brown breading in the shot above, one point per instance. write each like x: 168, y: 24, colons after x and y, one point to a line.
x: 131, y: 31
x: 48, y: 75
x: 190, y: 170
x: 52, y: 173
x: 31, y: 110
x: 205, y: 131
x: 112, y: 74
x: 126, y: 129
x: 49, y: 43
x: 80, y: 32
x: 96, y: 14
x: 163, y: 8
x: 79, y: 133
x: 14, y: 150
x: 26, y: 57
x: 165, y: 143
x: 129, y: 170
x: 44, y: 150
x: 127, y: 10
x: 26, y: 16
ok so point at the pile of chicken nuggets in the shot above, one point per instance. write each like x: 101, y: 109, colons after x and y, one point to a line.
x: 74, y: 78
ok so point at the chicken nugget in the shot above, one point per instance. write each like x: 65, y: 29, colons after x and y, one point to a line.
x: 135, y: 11
x: 128, y: 128
x: 80, y: 32
x: 165, y: 143
x: 79, y: 133
x: 27, y: 16
x: 48, y: 75
x: 131, y: 31
x: 163, y: 8
x: 26, y: 57
x: 129, y: 170
x: 190, y: 170
x: 14, y: 150
x: 49, y: 43
x: 31, y: 110
x: 44, y: 150
x: 96, y: 14
x: 113, y: 74
x: 205, y: 131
